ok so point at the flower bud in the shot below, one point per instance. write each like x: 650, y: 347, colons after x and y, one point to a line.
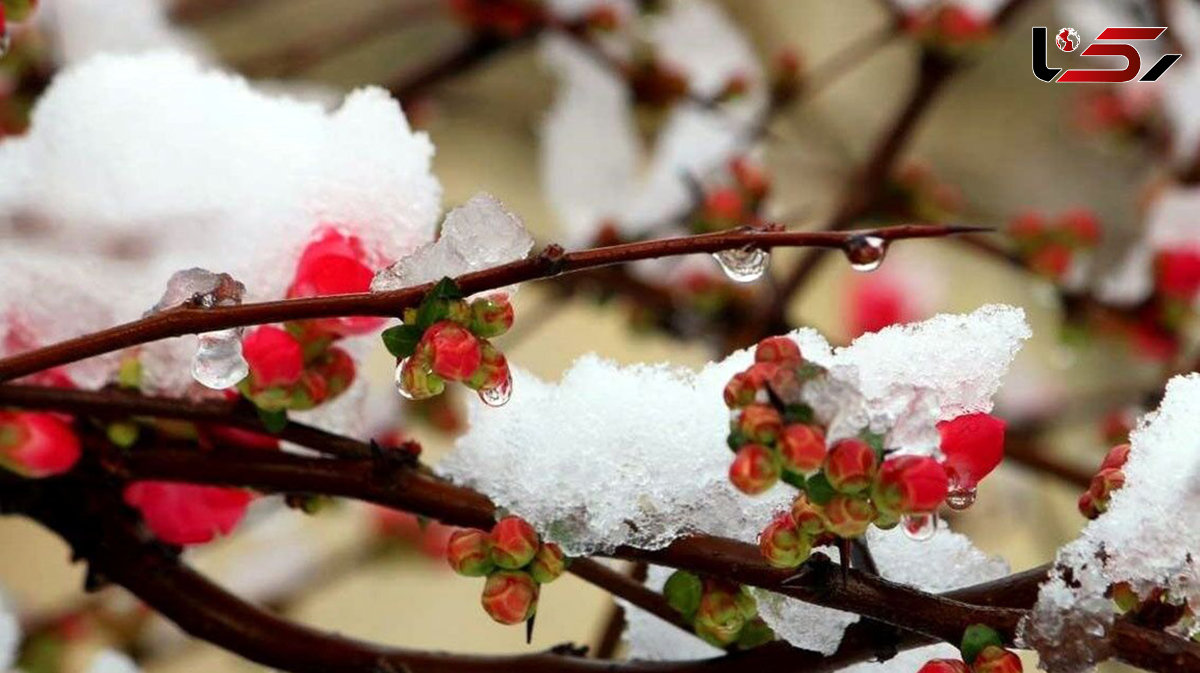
x: 493, y: 368
x: 847, y: 517
x: 37, y: 444
x: 755, y: 469
x: 459, y: 312
x: 996, y: 659
x: 850, y: 465
x: 782, y: 543
x: 723, y: 207
x: 802, y: 448
x: 944, y: 666
x: 548, y: 563
x: 909, y: 484
x: 683, y: 591
x: 418, y: 382
x: 1087, y: 506
x: 807, y: 516
x: 491, y: 316
x: 975, y: 639
x: 973, y: 445
x: 468, y: 552
x: 454, y: 353
x: 510, y: 596
x: 743, y: 387
x: 752, y: 179
x: 719, y: 619
x: 755, y: 633
x: 760, y: 423
x: 778, y: 349
x: 1116, y: 457
x: 1104, y: 483
x: 275, y: 358
x: 514, y: 542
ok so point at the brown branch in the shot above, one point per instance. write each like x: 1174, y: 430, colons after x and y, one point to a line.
x: 552, y: 262
x: 471, y: 51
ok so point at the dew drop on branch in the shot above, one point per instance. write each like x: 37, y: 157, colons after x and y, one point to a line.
x: 919, y: 527
x: 743, y: 265
x: 218, y: 362
x: 498, y: 396
x: 865, y: 253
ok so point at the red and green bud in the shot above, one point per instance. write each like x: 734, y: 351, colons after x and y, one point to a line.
x: 460, y: 312
x: 782, y: 543
x: 510, y: 596
x: 492, y: 371
x: 807, y: 516
x: 417, y: 382
x: 755, y: 633
x: 755, y: 469
x: 1116, y: 457
x: 944, y: 666
x: 37, y: 444
x: 760, y: 423
x: 454, y: 353
x: 683, y: 591
x: 996, y: 659
x: 491, y: 316
x: 468, y: 552
x: 778, y: 349
x: 976, y: 638
x: 1087, y: 506
x: 513, y: 543
x: 548, y: 563
x: 742, y: 389
x: 802, y: 448
x: 847, y: 516
x: 1104, y: 483
x: 850, y: 465
x: 720, y: 617
x: 1125, y: 597
x: 909, y: 484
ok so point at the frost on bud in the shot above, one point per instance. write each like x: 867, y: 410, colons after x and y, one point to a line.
x: 491, y: 316
x: 548, y: 563
x: 514, y: 542
x: 760, y: 423
x: 807, y: 516
x: 944, y: 666
x: 782, y: 543
x: 454, y: 353
x: 850, y: 465
x: 778, y: 349
x: 683, y: 591
x: 37, y: 444
x: 468, y: 554
x: 510, y: 596
x: 802, y: 448
x: 976, y: 638
x: 973, y: 445
x: 996, y: 659
x: 847, y: 517
x: 187, y: 514
x: 910, y: 484
x: 720, y: 617
x: 755, y: 469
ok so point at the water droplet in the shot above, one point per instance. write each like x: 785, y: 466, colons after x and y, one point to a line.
x: 218, y: 363
x: 919, y: 527
x: 865, y: 253
x: 400, y: 381
x: 743, y: 265
x: 960, y: 498
x: 498, y: 396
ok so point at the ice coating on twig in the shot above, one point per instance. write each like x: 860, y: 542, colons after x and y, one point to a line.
x: 1146, y: 537
x: 477, y: 235
x: 218, y: 361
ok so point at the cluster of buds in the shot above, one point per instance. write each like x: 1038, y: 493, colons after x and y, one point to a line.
x: 949, y: 27
x: 506, y: 18
x: 37, y: 444
x: 916, y: 193
x: 736, y: 203
x: 1157, y: 332
x: 848, y: 484
x: 515, y: 561
x: 722, y: 613
x: 447, y: 338
x: 982, y: 652
x: 297, y: 366
x: 1107, y: 480
x: 1056, y: 248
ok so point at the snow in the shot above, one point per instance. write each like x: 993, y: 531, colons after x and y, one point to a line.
x: 79, y: 29
x: 111, y: 661
x: 10, y: 635
x: 477, y: 235
x: 1145, y: 538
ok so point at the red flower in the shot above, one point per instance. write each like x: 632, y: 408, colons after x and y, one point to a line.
x: 782, y: 543
x: 454, y: 353
x: 1051, y: 260
x: 334, y: 263
x: 973, y: 445
x: 778, y: 349
x: 944, y: 666
x: 874, y: 302
x: 469, y: 552
x: 510, y: 596
x: 1178, y: 272
x: 37, y: 444
x: 802, y: 448
x: 1027, y: 227
x: 754, y: 470
x: 275, y: 357
x: 850, y: 465
x: 723, y: 205
x: 514, y: 542
x: 908, y: 484
x: 186, y: 514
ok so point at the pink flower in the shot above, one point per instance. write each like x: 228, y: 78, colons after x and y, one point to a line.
x: 334, y: 263
x: 187, y: 514
x: 973, y: 445
x: 37, y: 444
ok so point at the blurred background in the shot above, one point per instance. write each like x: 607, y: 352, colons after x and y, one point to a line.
x: 996, y: 144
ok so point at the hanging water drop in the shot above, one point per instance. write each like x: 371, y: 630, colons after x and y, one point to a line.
x: 498, y: 396
x: 400, y: 387
x: 218, y: 362
x: 865, y: 253
x: 743, y: 265
x: 960, y: 498
x: 919, y: 527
